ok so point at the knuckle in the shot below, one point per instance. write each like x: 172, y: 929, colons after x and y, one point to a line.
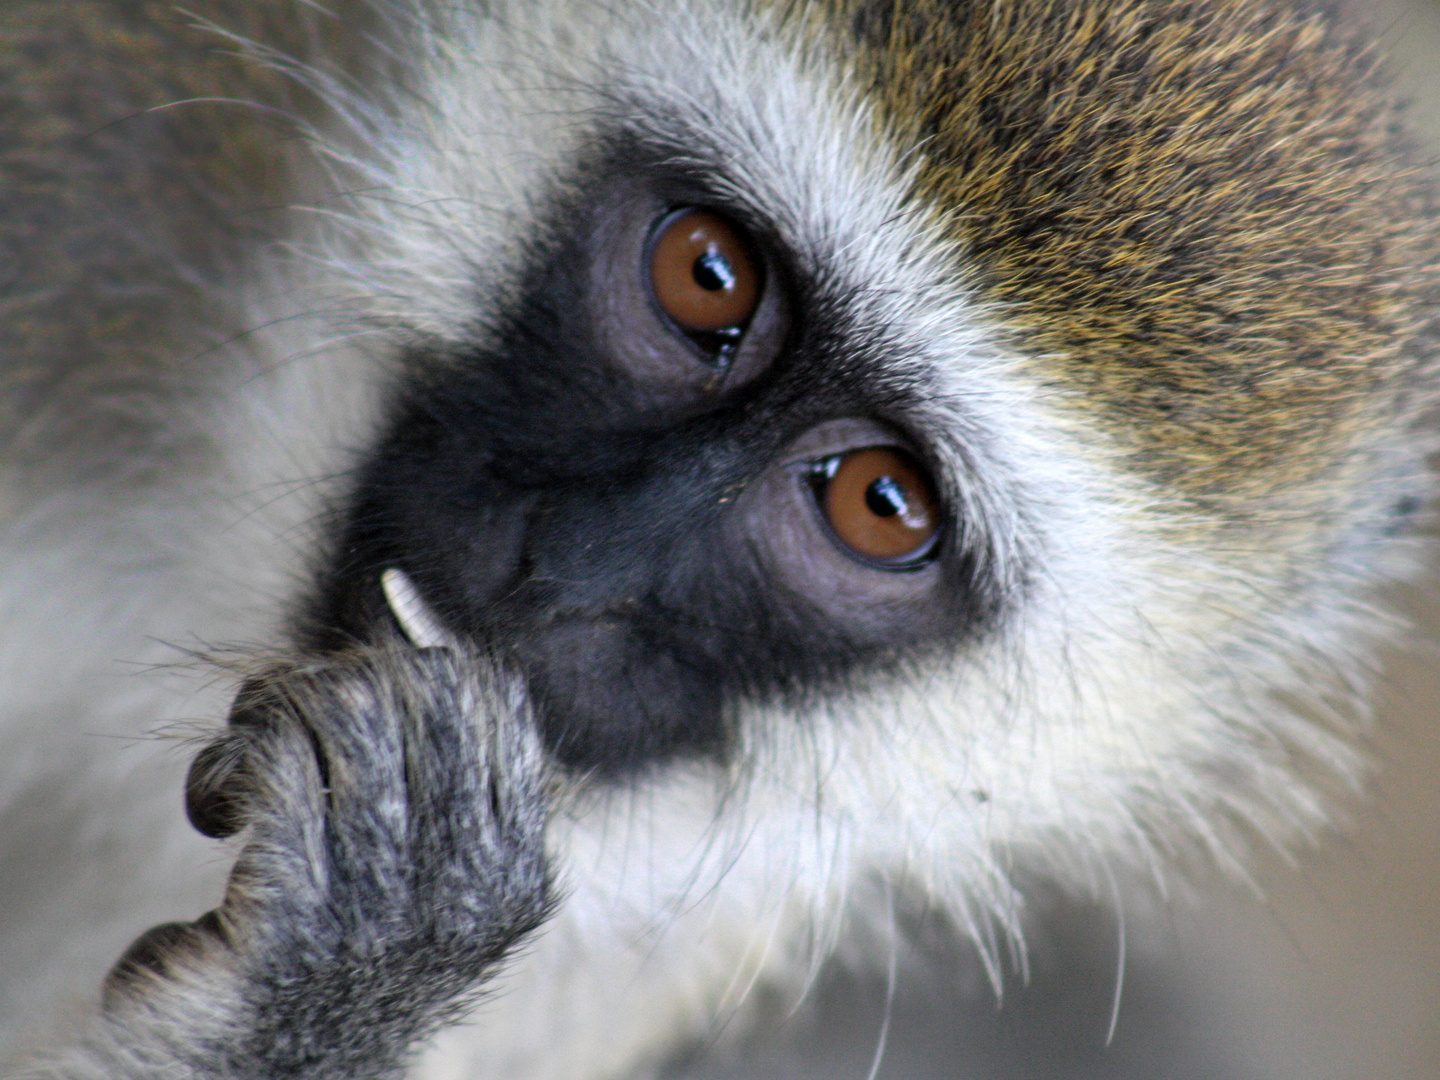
x: 155, y: 954
x: 217, y: 786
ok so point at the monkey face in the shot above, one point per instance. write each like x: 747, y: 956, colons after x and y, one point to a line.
x: 673, y: 478
x: 766, y: 400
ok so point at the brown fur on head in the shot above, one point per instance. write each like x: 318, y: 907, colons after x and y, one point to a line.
x: 1202, y: 220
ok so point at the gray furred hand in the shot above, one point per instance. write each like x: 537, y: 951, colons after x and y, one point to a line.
x: 395, y: 813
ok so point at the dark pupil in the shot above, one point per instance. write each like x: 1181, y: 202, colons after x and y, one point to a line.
x: 712, y: 272
x: 884, y: 497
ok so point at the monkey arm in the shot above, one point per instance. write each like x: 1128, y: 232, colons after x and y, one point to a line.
x: 394, y: 856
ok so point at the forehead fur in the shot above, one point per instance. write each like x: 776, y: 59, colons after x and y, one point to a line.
x: 1195, y: 220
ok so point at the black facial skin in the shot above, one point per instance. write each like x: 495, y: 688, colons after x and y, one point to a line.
x: 637, y: 533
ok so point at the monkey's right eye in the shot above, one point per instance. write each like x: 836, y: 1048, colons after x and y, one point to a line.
x: 881, y: 506
x: 704, y: 276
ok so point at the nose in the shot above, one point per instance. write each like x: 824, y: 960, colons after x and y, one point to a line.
x: 609, y: 699
x: 598, y: 551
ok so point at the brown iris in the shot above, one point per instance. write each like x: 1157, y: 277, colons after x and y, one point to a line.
x: 881, y: 505
x: 702, y: 273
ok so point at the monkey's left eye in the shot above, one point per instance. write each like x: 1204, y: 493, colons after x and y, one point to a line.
x: 704, y: 276
x: 881, y: 506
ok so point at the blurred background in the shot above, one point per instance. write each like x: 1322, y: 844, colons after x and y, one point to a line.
x: 1329, y: 970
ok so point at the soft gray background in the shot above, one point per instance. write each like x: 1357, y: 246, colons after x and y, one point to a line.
x: 1331, y: 971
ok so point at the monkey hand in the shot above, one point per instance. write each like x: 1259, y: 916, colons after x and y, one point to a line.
x: 395, y: 813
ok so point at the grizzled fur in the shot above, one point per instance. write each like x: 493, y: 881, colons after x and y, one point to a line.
x: 1163, y: 223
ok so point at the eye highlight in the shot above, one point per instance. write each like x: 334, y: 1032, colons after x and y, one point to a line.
x: 703, y: 275
x: 881, y: 505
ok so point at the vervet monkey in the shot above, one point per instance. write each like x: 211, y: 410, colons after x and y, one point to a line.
x: 661, y: 491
